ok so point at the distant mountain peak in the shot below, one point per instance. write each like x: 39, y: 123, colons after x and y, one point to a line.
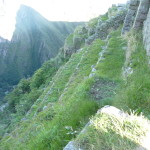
x: 25, y: 11
x: 2, y: 40
x: 34, y: 41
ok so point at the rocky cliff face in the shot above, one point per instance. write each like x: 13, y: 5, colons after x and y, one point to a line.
x: 130, y: 17
x: 34, y: 41
x: 137, y: 14
x: 98, y: 28
x: 4, y: 46
x: 141, y: 14
x: 146, y: 34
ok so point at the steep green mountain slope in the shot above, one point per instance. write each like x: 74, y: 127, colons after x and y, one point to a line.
x: 127, y: 132
x: 67, y: 101
x: 51, y: 108
x: 35, y: 40
x: 4, y: 45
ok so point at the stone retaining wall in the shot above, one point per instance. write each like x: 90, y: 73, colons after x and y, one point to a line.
x: 141, y: 14
x: 131, y: 14
x: 146, y: 34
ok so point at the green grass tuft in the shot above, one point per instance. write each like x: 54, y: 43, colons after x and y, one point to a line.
x: 134, y: 93
x: 116, y: 133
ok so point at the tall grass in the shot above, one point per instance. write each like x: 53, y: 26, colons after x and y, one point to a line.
x: 115, y: 133
x: 122, y: 133
x: 135, y: 92
x: 73, y: 109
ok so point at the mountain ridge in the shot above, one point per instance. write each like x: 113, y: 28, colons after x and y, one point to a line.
x: 34, y: 41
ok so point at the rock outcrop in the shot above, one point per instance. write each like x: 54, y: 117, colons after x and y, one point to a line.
x: 113, y: 23
x: 86, y: 34
x: 131, y: 14
x: 137, y: 14
x: 4, y: 46
x: 137, y: 18
x: 146, y: 34
x: 75, y: 40
x: 103, y: 28
x: 35, y: 40
x: 141, y: 14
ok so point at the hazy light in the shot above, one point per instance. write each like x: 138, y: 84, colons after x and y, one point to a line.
x: 53, y: 10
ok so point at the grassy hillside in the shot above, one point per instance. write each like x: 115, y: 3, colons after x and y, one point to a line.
x: 67, y: 99
x: 51, y: 108
x: 35, y: 40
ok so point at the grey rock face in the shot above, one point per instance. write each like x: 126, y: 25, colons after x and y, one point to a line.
x: 45, y: 107
x: 103, y: 28
x: 68, y: 50
x: 113, y: 23
x: 131, y: 14
x: 91, y: 31
x: 90, y: 39
x: 91, y: 75
x: 141, y: 14
x: 146, y: 34
x: 127, y: 71
x: 77, y: 41
x: 99, y: 22
x: 111, y: 110
x: 2, y: 107
x: 71, y: 146
x: 4, y: 46
x: 2, y: 40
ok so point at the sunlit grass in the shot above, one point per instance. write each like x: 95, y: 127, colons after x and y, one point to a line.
x: 135, y: 90
x: 116, y: 133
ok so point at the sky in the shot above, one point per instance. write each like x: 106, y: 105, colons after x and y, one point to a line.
x: 53, y: 10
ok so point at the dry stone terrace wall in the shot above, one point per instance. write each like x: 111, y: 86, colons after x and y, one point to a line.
x: 146, y: 34
x: 4, y: 46
x: 141, y: 14
x: 131, y: 14
x: 138, y: 17
x: 86, y: 34
x: 137, y: 14
x: 104, y: 28
x: 113, y: 23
